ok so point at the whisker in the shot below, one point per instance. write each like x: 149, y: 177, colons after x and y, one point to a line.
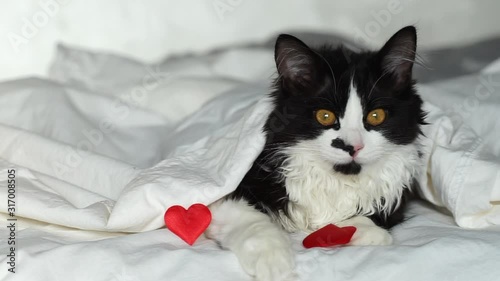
x: 375, y: 84
x: 331, y: 71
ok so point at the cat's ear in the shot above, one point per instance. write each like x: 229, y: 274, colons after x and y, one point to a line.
x: 398, y: 55
x: 297, y: 64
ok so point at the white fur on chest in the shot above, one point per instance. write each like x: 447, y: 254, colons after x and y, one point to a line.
x: 319, y: 195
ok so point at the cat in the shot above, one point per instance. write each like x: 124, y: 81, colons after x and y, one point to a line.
x: 347, y: 153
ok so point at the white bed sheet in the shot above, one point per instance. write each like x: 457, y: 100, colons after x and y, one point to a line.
x: 120, y: 185
x: 427, y: 247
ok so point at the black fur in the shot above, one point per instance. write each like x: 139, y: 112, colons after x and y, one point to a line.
x: 312, y: 79
x: 398, y: 215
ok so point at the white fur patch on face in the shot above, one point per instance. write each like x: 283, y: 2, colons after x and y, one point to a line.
x: 319, y: 195
x: 352, y: 122
x: 352, y: 132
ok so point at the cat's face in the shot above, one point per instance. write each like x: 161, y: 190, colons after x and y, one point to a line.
x: 347, y: 109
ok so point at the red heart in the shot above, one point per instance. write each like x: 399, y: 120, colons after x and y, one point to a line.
x: 188, y: 224
x: 329, y: 235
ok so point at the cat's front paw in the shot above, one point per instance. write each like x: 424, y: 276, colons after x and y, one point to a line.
x: 367, y: 232
x: 371, y: 235
x: 271, y: 263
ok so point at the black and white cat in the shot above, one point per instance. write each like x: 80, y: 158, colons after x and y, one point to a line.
x: 346, y: 154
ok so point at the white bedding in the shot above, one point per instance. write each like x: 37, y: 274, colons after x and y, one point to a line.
x: 152, y: 29
x: 150, y: 159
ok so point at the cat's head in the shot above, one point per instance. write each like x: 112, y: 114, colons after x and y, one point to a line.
x: 347, y: 109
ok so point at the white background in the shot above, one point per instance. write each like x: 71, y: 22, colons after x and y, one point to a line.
x: 151, y: 29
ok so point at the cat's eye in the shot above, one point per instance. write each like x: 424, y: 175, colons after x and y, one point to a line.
x: 376, y: 117
x: 325, y: 117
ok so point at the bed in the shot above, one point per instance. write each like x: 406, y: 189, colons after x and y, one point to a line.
x: 104, y: 144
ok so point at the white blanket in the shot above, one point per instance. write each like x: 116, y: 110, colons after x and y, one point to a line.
x: 99, y: 149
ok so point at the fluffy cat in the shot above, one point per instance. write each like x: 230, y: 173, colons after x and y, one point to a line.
x: 346, y: 153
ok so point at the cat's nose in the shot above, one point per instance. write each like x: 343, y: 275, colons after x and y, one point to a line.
x: 353, y: 150
x: 356, y: 149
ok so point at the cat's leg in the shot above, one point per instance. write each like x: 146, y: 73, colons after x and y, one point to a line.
x: 367, y: 232
x: 261, y: 246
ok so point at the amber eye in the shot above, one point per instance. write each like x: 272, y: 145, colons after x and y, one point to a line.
x: 325, y: 117
x: 376, y: 117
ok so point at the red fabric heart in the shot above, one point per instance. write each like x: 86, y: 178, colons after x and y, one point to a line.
x: 188, y: 224
x: 330, y: 235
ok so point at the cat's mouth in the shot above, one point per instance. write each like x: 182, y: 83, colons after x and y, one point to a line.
x: 351, y: 168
